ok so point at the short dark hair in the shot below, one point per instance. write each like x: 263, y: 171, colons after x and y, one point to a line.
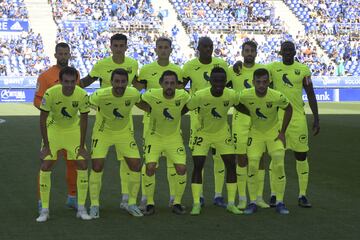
x: 61, y: 45
x: 204, y: 39
x: 163, y: 39
x: 252, y: 44
x: 68, y: 71
x: 217, y: 70
x: 287, y: 43
x: 168, y: 73
x: 120, y: 71
x: 118, y: 36
x: 261, y: 72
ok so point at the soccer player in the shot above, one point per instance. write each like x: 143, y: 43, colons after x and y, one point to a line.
x: 212, y: 130
x: 241, y: 124
x: 196, y: 71
x: 46, y: 80
x: 102, y: 70
x: 163, y: 135
x: 149, y: 78
x: 290, y: 78
x: 266, y: 134
x: 113, y: 127
x: 65, y: 130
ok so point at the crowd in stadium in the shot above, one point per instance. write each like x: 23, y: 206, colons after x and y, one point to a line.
x: 333, y: 25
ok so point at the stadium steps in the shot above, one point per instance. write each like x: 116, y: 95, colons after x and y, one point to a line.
x: 41, y: 19
x: 294, y: 25
x: 182, y: 38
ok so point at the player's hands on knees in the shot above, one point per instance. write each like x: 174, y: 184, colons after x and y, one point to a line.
x: 316, y: 127
x: 281, y: 137
x: 83, y: 153
x: 44, y: 152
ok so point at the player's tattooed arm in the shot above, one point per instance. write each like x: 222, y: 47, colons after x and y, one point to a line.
x: 86, y: 81
x: 45, y: 150
x: 184, y: 110
x: 241, y: 108
x: 309, y: 89
x: 143, y: 106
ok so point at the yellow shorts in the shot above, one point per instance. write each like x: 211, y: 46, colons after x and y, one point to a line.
x: 259, y: 142
x: 297, y: 133
x: 221, y: 141
x: 68, y: 140
x: 240, y: 131
x: 172, y: 147
x: 124, y: 142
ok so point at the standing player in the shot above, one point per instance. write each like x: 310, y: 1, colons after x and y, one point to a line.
x: 149, y: 78
x: 241, y: 125
x: 213, y: 104
x: 290, y: 77
x: 46, y: 80
x: 65, y: 130
x: 113, y: 127
x: 197, y: 72
x: 102, y: 70
x: 166, y: 106
x: 266, y: 134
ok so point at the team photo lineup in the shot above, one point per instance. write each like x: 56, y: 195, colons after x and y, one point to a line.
x: 268, y: 118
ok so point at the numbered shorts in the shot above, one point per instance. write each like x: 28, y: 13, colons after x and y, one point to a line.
x: 297, y: 133
x: 124, y: 142
x: 64, y: 139
x: 221, y: 141
x: 171, y: 146
x: 240, y: 131
x: 259, y: 142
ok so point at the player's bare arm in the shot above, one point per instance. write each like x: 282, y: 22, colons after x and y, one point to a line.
x: 309, y: 89
x: 241, y: 108
x: 83, y: 127
x: 139, y: 85
x: 285, y: 123
x: 87, y: 81
x: 143, y: 106
x: 45, y: 150
x: 184, y: 110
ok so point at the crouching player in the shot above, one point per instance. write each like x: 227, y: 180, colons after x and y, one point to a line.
x: 113, y: 127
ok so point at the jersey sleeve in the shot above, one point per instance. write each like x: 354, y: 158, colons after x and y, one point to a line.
x: 186, y: 72
x: 135, y: 69
x: 137, y: 96
x: 283, y: 101
x: 46, y: 102
x: 180, y: 76
x: 95, y: 71
x: 41, y: 88
x: 84, y: 104
x: 193, y: 102
x: 307, y: 72
x: 236, y: 98
x: 94, y: 98
x: 146, y: 97
x: 142, y: 75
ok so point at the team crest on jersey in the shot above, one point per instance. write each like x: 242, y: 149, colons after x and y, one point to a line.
x: 75, y: 104
x: 226, y: 103
x: 269, y: 104
x: 129, y: 70
x: 177, y: 103
x: 127, y: 103
x: 297, y: 71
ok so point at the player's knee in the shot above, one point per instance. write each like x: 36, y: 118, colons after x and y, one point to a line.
x: 150, y: 169
x: 81, y: 165
x: 242, y: 160
x: 300, y: 156
x: 46, y: 166
x: 134, y: 165
x: 180, y: 169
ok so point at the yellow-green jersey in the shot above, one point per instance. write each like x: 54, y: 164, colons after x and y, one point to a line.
x: 263, y: 110
x: 165, y: 116
x: 150, y: 73
x: 103, y: 69
x: 113, y: 113
x: 243, y: 80
x: 288, y: 79
x: 213, y: 111
x: 63, y: 110
x: 199, y: 74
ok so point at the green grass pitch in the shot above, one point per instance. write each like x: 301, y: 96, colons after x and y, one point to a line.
x: 333, y: 190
